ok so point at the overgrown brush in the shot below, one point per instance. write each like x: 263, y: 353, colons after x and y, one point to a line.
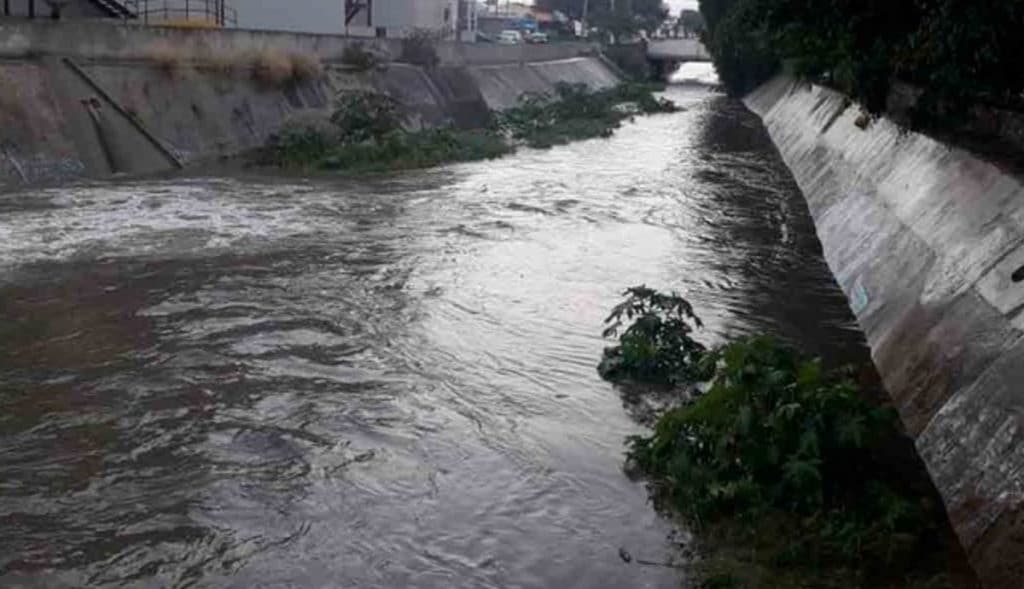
x: 788, y: 452
x: 302, y: 140
x: 366, y: 131
x: 362, y: 115
x: 409, y: 150
x: 306, y: 67
x: 274, y: 68
x: 359, y: 58
x: 420, y: 48
x: 576, y: 112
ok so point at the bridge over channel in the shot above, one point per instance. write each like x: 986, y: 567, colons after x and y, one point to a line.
x: 677, y: 50
x: 665, y: 55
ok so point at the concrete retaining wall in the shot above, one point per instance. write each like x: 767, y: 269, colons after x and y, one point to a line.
x: 501, y: 86
x: 927, y: 242
x: 51, y: 130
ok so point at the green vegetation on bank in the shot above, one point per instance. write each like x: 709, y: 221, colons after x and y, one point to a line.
x: 956, y: 52
x: 367, y: 132
x: 785, y: 463
x: 575, y: 112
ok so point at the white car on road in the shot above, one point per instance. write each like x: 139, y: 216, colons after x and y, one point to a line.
x: 510, y: 38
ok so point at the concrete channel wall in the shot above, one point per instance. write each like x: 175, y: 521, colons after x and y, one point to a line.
x: 97, y: 99
x: 927, y: 242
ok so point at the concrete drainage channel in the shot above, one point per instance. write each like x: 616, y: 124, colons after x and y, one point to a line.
x: 127, y: 144
x: 926, y: 241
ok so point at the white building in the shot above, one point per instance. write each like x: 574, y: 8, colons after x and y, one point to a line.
x: 449, y: 19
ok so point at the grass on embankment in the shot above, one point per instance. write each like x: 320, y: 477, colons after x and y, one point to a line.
x: 367, y: 133
x: 790, y: 476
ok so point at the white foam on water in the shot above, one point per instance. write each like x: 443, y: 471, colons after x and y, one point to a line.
x: 179, y: 217
x: 695, y: 72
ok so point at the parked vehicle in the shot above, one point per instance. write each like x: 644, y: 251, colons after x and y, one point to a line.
x: 510, y: 38
x: 538, y: 37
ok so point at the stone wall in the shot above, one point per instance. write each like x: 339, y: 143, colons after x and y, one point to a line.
x: 927, y: 242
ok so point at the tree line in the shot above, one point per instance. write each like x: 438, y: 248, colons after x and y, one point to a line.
x: 618, y: 17
x: 957, y: 52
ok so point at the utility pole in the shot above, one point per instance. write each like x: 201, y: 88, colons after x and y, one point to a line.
x: 586, y: 10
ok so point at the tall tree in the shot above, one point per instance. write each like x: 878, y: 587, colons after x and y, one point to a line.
x: 691, y: 22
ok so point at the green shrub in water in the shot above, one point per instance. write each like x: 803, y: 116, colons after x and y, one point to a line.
x: 655, y: 346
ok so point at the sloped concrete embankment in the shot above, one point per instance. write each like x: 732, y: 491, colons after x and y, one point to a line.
x: 927, y: 242
x: 110, y: 99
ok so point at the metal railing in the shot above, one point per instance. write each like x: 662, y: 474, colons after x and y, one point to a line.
x: 185, y: 12
x: 217, y: 13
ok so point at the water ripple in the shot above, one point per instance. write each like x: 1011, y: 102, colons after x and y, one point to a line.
x: 389, y: 382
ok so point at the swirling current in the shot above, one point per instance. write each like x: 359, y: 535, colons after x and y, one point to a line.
x: 260, y: 381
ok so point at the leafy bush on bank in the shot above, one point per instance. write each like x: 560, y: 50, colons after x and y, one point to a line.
x: 363, y: 115
x: 402, y: 151
x: 576, y: 112
x: 777, y: 442
x: 301, y: 141
x: 420, y: 48
x: 366, y: 132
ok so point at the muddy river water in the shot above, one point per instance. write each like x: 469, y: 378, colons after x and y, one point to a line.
x: 256, y: 381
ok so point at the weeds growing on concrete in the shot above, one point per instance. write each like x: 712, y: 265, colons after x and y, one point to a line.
x: 306, y: 67
x: 274, y: 68
x: 420, y: 48
x: 224, y: 65
x: 359, y: 58
x: 167, y: 58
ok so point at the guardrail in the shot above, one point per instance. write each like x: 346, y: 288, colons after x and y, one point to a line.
x: 186, y: 12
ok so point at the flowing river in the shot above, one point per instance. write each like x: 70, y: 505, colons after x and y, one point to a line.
x: 257, y: 381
